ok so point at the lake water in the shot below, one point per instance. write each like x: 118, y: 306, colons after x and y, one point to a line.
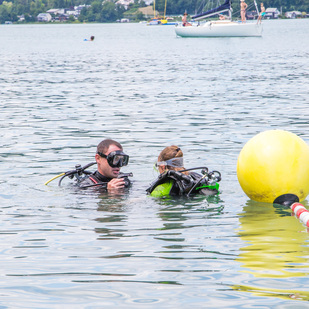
x: 146, y: 88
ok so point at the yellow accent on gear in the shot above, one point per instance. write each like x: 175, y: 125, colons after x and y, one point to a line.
x: 47, y: 182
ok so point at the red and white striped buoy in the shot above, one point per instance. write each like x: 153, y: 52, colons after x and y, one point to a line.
x: 301, y: 213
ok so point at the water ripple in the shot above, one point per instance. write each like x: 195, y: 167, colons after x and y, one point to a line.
x: 146, y: 88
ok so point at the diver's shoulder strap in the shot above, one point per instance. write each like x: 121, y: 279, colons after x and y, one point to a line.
x: 92, y: 181
x: 160, y: 180
x: 195, y: 176
x: 182, y: 183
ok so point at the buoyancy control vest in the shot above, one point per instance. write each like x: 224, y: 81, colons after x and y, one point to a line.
x: 100, y: 181
x: 175, y: 183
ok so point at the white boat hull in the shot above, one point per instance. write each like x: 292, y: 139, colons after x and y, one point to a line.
x: 220, y: 29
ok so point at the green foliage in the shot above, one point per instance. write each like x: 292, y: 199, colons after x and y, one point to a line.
x: 101, y: 12
x: 71, y: 18
x: 139, y: 16
x: 134, y: 14
x: 7, y: 12
x: 109, y: 11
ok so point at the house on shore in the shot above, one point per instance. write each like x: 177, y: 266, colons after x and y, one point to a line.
x: 251, y: 15
x: 148, y: 12
x: 293, y: 14
x: 272, y: 13
x: 44, y: 17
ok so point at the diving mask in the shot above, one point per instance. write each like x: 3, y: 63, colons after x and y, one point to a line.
x: 174, y: 162
x: 115, y: 158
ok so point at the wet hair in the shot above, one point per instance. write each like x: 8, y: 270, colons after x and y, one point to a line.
x: 104, y: 145
x: 171, y: 152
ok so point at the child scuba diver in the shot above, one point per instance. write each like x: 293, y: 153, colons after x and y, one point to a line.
x: 175, y: 180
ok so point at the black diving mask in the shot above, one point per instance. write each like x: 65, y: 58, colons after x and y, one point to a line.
x: 115, y: 158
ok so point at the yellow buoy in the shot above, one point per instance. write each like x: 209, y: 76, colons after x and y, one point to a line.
x: 274, y: 163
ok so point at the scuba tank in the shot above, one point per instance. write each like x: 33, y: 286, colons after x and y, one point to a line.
x: 175, y: 183
x: 80, y: 174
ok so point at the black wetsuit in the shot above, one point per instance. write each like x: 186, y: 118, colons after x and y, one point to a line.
x: 100, y: 181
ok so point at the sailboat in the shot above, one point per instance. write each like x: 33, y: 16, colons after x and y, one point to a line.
x: 219, y: 28
x: 157, y: 20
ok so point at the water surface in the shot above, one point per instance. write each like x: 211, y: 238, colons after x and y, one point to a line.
x: 143, y: 86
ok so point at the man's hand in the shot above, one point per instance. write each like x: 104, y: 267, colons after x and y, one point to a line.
x: 115, y: 183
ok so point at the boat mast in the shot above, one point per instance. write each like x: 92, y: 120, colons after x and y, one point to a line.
x: 165, y: 9
x: 230, y: 11
x: 257, y: 9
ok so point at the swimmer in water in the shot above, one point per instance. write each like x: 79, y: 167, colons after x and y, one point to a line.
x: 91, y: 39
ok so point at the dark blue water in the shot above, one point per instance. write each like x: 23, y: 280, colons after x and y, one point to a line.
x: 146, y: 88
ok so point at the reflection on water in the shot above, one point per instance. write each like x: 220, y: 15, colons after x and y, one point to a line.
x: 276, y: 247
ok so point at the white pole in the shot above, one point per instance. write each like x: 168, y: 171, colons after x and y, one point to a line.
x: 257, y: 9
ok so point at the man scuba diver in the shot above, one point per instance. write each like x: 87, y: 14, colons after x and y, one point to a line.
x: 109, y: 159
x: 175, y: 180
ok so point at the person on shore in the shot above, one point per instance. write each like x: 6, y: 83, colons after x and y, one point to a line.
x: 262, y: 13
x: 109, y: 158
x: 243, y: 8
x: 175, y: 180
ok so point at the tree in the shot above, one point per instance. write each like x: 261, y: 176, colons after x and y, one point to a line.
x: 109, y: 12
x: 96, y: 7
x: 83, y: 15
x: 72, y: 18
x: 139, y: 16
x: 120, y: 9
x: 29, y: 18
x: 4, y: 14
